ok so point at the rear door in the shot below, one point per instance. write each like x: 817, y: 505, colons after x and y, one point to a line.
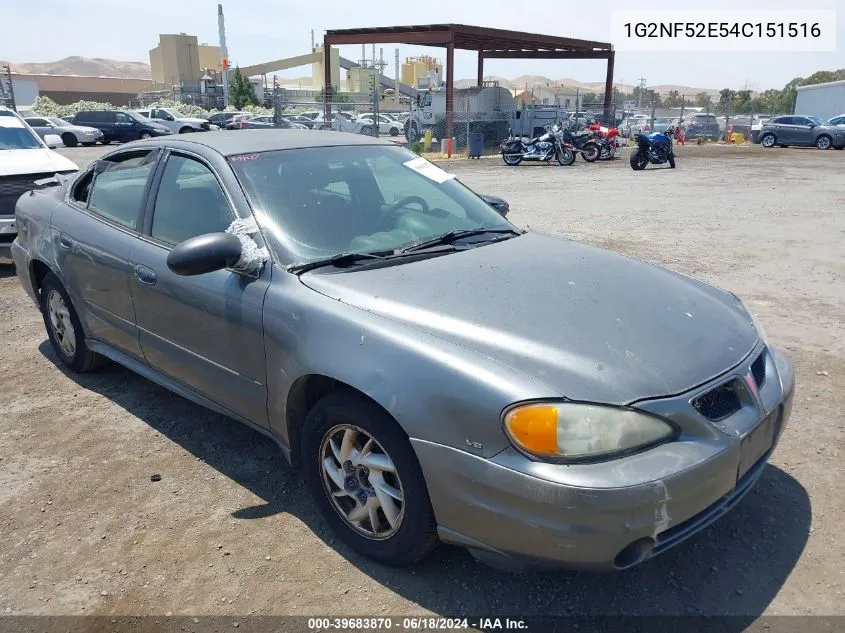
x: 94, y: 235
x: 204, y: 331
x: 40, y: 126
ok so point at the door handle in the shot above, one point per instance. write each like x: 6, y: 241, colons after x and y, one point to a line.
x: 65, y: 242
x: 146, y: 276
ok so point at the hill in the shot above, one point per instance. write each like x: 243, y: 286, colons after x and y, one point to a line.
x: 87, y: 67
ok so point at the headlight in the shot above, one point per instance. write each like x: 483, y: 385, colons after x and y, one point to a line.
x: 580, y: 431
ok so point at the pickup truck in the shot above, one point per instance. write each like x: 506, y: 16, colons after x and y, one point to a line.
x: 175, y: 121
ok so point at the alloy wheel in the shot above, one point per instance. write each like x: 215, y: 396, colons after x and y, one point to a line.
x: 61, y: 323
x: 361, y: 481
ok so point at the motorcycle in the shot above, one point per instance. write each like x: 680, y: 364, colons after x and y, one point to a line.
x: 585, y: 142
x: 655, y: 148
x: 607, y: 139
x: 542, y: 148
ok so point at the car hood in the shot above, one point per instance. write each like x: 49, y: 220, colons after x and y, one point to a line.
x: 195, y: 120
x: 589, y: 323
x: 14, y: 162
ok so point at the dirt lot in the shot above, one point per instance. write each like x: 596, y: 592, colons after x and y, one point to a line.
x: 229, y: 530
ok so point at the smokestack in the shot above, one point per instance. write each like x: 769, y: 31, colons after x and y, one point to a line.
x: 363, y: 54
x: 396, y: 80
x: 224, y: 54
x: 374, y: 56
x: 312, y: 40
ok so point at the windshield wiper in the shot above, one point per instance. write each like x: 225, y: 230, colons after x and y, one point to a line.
x: 451, y: 236
x: 337, y: 260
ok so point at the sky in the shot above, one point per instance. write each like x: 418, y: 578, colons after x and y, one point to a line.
x: 264, y: 30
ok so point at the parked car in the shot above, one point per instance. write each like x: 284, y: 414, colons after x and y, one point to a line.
x: 301, y: 120
x: 175, y: 121
x: 700, y: 125
x: 660, y: 124
x: 385, y: 125
x: 221, y: 118
x: 585, y: 409
x: 266, y: 121
x: 70, y: 134
x: 837, y: 120
x: 633, y: 124
x: 232, y: 124
x: 25, y: 160
x: 757, y: 126
x: 119, y: 125
x: 802, y: 130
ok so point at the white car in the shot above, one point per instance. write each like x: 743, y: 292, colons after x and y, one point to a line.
x: 757, y: 124
x: 386, y: 125
x: 837, y: 120
x: 633, y: 124
x: 175, y: 121
x: 71, y: 135
x: 25, y: 159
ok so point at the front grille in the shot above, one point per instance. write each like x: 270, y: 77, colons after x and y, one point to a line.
x: 758, y: 369
x: 13, y: 187
x: 718, y: 403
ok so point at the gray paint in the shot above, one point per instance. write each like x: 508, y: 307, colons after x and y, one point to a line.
x: 444, y: 345
x: 826, y: 100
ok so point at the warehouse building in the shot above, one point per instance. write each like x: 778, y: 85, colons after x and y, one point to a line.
x: 826, y: 100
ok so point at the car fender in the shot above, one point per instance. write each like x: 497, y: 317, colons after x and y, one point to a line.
x: 436, y: 390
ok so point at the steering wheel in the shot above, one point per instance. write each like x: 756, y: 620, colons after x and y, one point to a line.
x: 402, y: 202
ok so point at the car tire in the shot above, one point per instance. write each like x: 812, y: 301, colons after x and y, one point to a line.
x: 186, y: 130
x: 69, y: 139
x: 145, y: 135
x: 394, y: 131
x: 346, y: 415
x: 105, y: 140
x: 367, y: 130
x: 824, y: 141
x: 768, y: 140
x: 64, y: 328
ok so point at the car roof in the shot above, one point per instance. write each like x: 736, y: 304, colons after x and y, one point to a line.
x: 230, y: 143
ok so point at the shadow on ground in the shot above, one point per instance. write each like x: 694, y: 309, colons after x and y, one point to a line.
x: 735, y: 567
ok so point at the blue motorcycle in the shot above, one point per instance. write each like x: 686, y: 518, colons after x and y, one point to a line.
x: 655, y: 148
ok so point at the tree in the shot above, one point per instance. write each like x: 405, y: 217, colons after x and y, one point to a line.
x: 241, y: 91
x: 591, y: 99
x: 334, y: 96
x: 702, y: 100
x: 673, y: 100
x: 725, y: 98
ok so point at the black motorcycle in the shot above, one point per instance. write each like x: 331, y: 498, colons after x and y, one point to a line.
x: 585, y: 142
x: 542, y: 148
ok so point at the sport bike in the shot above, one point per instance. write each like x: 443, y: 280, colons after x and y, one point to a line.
x: 655, y: 148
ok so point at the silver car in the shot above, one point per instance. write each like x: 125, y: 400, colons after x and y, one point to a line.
x: 437, y: 373
x: 71, y: 134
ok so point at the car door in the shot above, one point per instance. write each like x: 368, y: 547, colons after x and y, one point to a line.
x: 803, y: 131
x: 786, y: 130
x: 93, y: 238
x: 204, y: 331
x: 162, y: 117
x: 41, y: 126
x: 126, y: 128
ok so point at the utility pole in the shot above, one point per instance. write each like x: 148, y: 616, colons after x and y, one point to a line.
x: 224, y: 54
x: 640, y: 95
x: 396, y: 80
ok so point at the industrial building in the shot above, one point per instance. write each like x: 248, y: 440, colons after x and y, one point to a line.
x: 65, y: 89
x: 826, y: 100
x: 180, y: 59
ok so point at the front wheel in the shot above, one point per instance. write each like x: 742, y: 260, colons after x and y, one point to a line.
x: 638, y: 160
x: 566, y: 157
x: 69, y: 139
x: 590, y: 152
x: 186, y: 130
x: 64, y: 328
x: 366, y: 479
x: 145, y: 135
x: 394, y: 131
x: 824, y: 142
x: 671, y: 159
x: 512, y: 160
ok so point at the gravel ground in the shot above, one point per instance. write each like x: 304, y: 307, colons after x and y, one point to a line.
x: 229, y: 530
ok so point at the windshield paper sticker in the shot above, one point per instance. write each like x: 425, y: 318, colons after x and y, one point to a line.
x: 429, y: 170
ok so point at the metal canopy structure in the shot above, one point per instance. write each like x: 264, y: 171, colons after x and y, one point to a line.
x: 488, y: 43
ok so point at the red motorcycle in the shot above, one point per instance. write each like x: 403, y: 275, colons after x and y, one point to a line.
x: 610, y: 136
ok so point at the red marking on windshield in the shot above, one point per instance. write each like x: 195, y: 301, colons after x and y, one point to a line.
x: 244, y: 157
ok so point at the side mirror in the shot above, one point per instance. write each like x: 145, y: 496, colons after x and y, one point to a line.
x: 53, y: 140
x: 497, y: 203
x: 205, y: 254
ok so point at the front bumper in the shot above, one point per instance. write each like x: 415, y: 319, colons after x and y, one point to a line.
x: 513, y: 511
x: 8, y: 232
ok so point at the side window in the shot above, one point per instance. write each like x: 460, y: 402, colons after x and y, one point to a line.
x: 117, y: 193
x: 120, y: 117
x: 785, y: 120
x: 802, y: 120
x: 36, y: 122
x: 190, y: 202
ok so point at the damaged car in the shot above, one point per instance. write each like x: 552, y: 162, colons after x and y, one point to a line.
x: 437, y: 373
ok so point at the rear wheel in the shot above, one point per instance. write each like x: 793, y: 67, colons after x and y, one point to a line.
x: 590, y: 152
x: 145, y: 135
x: 366, y: 479
x: 64, y: 329
x: 768, y: 140
x: 394, y: 131
x: 186, y: 130
x: 638, y: 160
x: 69, y: 139
x: 412, y: 133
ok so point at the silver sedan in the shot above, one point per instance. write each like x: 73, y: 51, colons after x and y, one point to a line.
x: 70, y: 134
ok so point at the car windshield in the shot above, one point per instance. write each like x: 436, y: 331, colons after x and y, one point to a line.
x: 15, y: 135
x: 817, y: 120
x: 175, y: 114
x: 318, y: 202
x: 58, y: 122
x: 137, y: 117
